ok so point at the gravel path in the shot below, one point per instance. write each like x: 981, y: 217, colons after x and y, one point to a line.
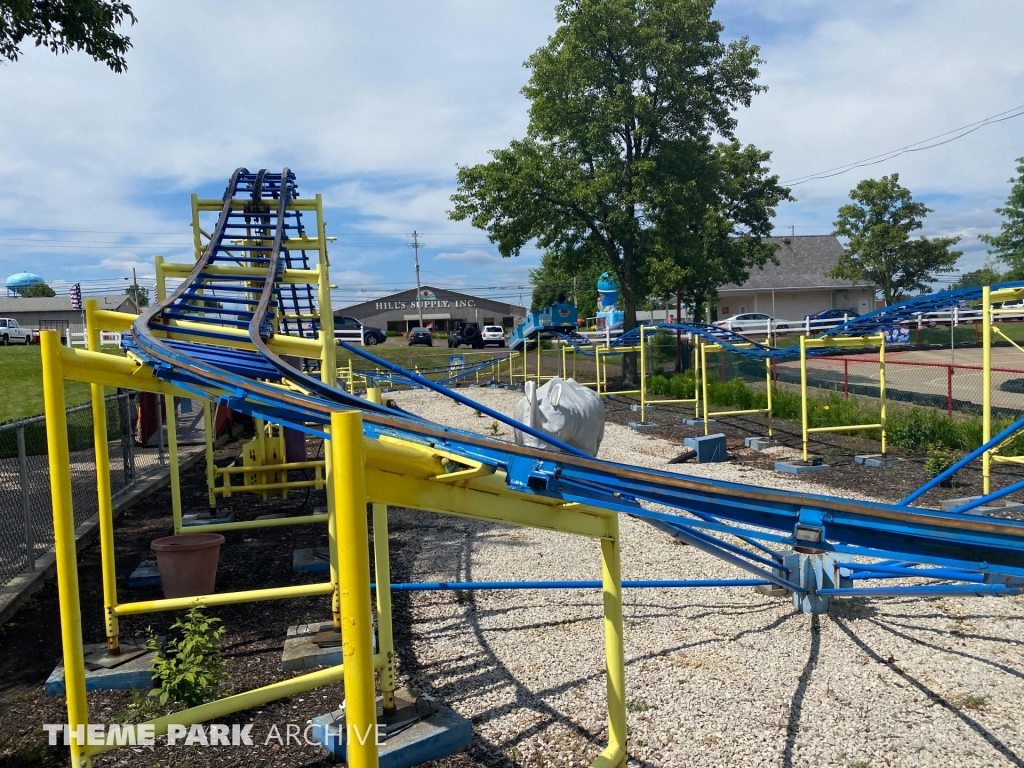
x: 715, y: 677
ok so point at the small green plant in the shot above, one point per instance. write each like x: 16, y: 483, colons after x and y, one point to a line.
x: 477, y: 413
x: 860, y: 764
x: 191, y: 668
x: 494, y: 428
x: 938, y: 461
x: 140, y: 707
x: 968, y: 701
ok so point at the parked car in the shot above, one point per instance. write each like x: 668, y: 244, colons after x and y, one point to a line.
x: 493, y: 334
x: 755, y: 322
x: 11, y: 332
x: 465, y: 333
x: 833, y: 314
x: 421, y: 335
x: 347, y: 329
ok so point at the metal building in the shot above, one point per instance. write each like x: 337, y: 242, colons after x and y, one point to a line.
x: 56, y: 312
x: 401, y: 311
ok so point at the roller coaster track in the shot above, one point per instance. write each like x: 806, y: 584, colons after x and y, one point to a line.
x: 248, y: 376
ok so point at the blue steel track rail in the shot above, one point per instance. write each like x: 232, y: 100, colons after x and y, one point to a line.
x: 702, y: 509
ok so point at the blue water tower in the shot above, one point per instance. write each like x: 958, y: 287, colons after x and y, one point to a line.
x: 21, y: 282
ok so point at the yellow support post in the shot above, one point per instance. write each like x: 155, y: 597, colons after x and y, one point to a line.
x: 881, y: 388
x: 64, y: 543
x: 171, y: 419
x: 540, y: 362
x: 354, y: 588
x: 704, y: 382
x: 986, y: 385
x: 768, y: 366
x: 615, y: 661
x: 211, y: 470
x: 643, y: 376
x: 373, y: 394
x: 105, y: 510
x: 382, y: 575
x: 803, y: 393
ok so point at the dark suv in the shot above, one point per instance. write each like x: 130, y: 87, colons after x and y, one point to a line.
x: 349, y: 329
x: 465, y: 333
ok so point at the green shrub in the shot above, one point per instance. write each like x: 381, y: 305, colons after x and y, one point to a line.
x: 938, y: 461
x: 190, y: 669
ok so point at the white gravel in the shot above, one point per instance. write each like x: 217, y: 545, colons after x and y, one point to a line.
x: 715, y: 677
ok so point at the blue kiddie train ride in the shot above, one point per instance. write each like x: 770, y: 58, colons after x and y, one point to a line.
x: 560, y: 317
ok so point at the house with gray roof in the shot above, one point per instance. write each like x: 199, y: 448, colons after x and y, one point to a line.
x: 799, y: 285
x: 56, y: 313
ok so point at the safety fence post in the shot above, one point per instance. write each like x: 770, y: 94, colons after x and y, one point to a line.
x: 881, y: 388
x: 209, y: 425
x: 172, y: 455
x: 159, y: 431
x: 382, y: 575
x: 704, y: 382
x: 643, y: 376
x: 768, y: 390
x: 354, y: 588
x: 846, y: 379
x: 949, y: 390
x: 26, y: 502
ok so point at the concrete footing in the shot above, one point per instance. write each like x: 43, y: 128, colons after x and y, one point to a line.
x: 992, y: 507
x: 315, y: 560
x: 130, y: 669
x: 636, y: 408
x: 709, y: 448
x: 760, y: 443
x: 642, y: 426
x: 407, y: 738
x: 146, y: 575
x: 800, y: 467
x: 304, y: 647
x: 697, y: 422
x: 878, y: 460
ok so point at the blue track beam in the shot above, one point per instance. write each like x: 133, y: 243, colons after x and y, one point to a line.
x: 929, y: 573
x: 928, y: 590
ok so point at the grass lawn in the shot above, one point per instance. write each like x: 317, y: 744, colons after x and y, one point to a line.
x: 437, y: 356
x: 21, y: 383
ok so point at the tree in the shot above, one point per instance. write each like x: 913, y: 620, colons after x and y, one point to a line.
x: 578, y: 284
x: 61, y: 25
x: 38, y: 291
x: 138, y: 294
x: 625, y: 98
x: 987, y: 275
x: 1008, y: 245
x: 878, y: 224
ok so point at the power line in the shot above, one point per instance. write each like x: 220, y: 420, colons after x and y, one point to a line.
x: 891, y: 154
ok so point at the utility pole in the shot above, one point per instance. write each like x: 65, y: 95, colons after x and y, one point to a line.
x: 419, y: 289
x: 135, y: 296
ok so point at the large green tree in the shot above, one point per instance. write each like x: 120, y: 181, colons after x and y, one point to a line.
x: 625, y: 99
x: 1008, y: 245
x: 879, y: 223
x: 38, y: 291
x: 138, y: 294
x: 63, y: 25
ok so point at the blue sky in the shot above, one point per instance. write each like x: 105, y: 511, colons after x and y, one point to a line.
x: 374, y: 105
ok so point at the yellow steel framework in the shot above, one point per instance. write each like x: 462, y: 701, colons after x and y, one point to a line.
x: 702, y: 385
x: 356, y: 471
x: 857, y: 341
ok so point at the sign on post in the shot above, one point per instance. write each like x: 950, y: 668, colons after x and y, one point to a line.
x: 896, y: 335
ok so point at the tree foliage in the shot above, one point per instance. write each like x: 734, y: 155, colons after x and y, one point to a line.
x: 63, y: 25
x: 579, y: 284
x: 138, y: 294
x: 880, y: 251
x: 618, y: 166
x: 38, y: 291
x: 987, y: 275
x: 1008, y: 245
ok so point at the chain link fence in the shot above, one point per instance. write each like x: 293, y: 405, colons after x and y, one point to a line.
x: 26, y: 516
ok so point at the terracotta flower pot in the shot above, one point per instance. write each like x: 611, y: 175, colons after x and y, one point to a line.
x: 188, y: 563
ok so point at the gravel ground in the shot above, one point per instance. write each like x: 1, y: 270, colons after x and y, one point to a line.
x: 715, y: 677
